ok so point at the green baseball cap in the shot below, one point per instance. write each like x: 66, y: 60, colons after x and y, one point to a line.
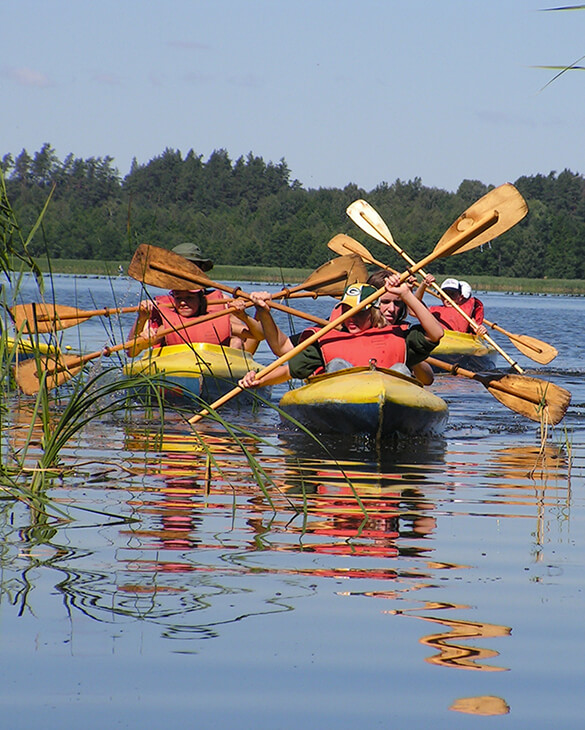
x: 356, y: 293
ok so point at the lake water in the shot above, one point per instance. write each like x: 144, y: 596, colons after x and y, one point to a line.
x: 180, y: 592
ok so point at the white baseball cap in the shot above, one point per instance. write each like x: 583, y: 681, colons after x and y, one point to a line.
x: 451, y: 284
x: 466, y: 290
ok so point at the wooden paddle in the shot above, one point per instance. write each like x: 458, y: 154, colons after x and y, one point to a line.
x: 519, y: 393
x: 509, y: 203
x: 155, y: 276
x: 443, y: 248
x: 60, y: 369
x: 156, y: 266
x: 509, y: 213
x: 42, y: 317
x: 533, y: 348
x: 536, y: 399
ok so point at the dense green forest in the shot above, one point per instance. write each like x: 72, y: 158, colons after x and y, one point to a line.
x: 252, y: 212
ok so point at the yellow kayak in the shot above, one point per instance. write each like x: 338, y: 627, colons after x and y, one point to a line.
x: 362, y: 400
x: 467, y: 350
x: 197, y: 369
x: 24, y: 348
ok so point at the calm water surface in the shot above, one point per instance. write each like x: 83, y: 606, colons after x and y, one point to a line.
x: 180, y: 592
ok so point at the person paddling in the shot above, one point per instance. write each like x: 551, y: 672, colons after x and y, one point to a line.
x: 394, y: 311
x: 460, y: 292
x: 362, y: 342
x: 176, y: 308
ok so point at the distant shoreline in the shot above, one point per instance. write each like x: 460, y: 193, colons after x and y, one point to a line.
x: 274, y: 274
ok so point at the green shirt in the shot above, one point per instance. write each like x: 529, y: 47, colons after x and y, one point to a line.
x: 418, y: 348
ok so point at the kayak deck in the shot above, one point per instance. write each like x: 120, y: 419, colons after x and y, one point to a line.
x: 198, y: 369
x: 467, y: 350
x: 362, y: 400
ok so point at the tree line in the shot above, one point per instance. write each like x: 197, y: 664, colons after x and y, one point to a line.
x: 251, y: 212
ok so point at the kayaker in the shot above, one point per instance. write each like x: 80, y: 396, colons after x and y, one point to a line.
x: 174, y: 309
x: 460, y: 292
x: 362, y: 341
x: 394, y: 311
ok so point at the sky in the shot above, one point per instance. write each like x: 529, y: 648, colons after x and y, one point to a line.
x: 346, y: 91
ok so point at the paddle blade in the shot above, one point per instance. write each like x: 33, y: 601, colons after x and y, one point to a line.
x: 505, y: 200
x: 370, y: 221
x: 29, y: 374
x: 165, y: 269
x: 536, y: 350
x: 334, y: 276
x: 538, y: 400
x: 44, y: 317
x: 346, y: 245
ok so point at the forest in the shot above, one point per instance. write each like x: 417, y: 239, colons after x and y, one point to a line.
x: 251, y: 212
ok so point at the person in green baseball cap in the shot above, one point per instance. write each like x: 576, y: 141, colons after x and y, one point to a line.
x: 365, y: 339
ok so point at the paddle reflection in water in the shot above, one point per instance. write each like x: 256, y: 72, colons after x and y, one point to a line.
x: 450, y: 652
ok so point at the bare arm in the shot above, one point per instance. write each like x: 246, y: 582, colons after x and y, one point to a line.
x: 422, y: 287
x: 143, y: 330
x: 277, y: 340
x: 433, y: 330
x: 278, y: 375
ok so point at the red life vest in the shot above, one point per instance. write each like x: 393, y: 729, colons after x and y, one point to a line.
x: 450, y: 318
x: 217, y: 331
x: 386, y: 345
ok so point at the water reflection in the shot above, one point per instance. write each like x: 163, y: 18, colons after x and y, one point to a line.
x: 450, y: 652
x: 199, y: 526
x: 484, y: 705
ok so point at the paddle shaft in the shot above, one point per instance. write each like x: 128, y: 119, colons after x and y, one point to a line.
x: 390, y: 241
x: 457, y: 241
x: 456, y: 370
x: 537, y: 347
x: 107, y: 351
x: 319, y: 281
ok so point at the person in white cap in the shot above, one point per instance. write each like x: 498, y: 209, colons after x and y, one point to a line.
x: 460, y: 292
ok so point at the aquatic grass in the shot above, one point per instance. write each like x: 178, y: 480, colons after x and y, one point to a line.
x: 63, y: 415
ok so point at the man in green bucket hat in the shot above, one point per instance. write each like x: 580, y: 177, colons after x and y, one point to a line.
x: 192, y: 252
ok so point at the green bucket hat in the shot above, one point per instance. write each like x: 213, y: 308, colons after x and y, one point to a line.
x: 193, y: 253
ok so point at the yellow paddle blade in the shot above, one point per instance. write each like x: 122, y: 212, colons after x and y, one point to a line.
x: 344, y: 245
x: 505, y: 200
x: 331, y: 278
x: 29, y: 374
x: 370, y: 221
x: 537, y: 350
x: 536, y: 399
x: 45, y: 317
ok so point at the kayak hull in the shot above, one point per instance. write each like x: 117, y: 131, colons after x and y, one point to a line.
x: 361, y: 400
x: 466, y: 350
x: 192, y: 371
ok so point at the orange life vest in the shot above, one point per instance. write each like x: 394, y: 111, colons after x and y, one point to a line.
x: 451, y: 319
x: 385, y: 345
x: 217, y: 331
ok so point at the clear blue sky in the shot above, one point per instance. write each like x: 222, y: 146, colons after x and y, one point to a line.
x: 357, y: 91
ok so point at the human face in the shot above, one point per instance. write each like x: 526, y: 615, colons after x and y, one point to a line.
x: 455, y: 295
x: 389, y: 306
x: 187, y: 303
x: 357, y: 322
